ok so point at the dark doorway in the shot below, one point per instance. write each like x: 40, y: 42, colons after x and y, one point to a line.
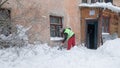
x: 91, y: 34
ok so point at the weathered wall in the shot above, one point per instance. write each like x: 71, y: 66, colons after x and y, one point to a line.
x: 73, y: 17
x: 31, y: 14
x: 113, y: 22
x: 114, y: 25
x: 86, y: 16
x: 116, y: 2
x: 35, y: 13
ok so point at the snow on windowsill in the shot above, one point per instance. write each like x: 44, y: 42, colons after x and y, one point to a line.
x: 105, y: 34
x: 56, y: 38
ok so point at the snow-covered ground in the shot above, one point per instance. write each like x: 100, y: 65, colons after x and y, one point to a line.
x: 43, y: 56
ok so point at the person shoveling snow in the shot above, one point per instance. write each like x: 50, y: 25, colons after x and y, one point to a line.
x: 68, y: 35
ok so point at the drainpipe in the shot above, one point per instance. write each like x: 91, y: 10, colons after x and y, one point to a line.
x: 81, y: 26
x: 119, y: 25
x: 100, y: 41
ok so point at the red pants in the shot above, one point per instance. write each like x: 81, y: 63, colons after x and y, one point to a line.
x: 71, y: 42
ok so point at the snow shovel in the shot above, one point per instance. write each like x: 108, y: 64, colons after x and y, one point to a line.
x: 60, y: 47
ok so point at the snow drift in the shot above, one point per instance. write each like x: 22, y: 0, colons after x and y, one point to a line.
x: 42, y: 56
x: 111, y: 47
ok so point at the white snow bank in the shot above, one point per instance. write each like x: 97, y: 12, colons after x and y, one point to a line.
x: 21, y: 34
x: 102, y: 5
x: 18, y: 38
x: 111, y: 47
x: 43, y: 56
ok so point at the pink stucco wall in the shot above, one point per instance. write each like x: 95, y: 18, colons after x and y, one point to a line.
x: 35, y: 13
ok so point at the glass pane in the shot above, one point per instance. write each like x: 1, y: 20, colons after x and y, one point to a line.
x: 55, y: 20
x: 93, y: 1
x: 4, y: 14
x: 100, y: 0
x: 5, y: 27
x: 55, y: 31
x: 84, y: 1
x: 105, y: 24
x: 109, y: 1
x: 52, y: 31
x: 58, y: 33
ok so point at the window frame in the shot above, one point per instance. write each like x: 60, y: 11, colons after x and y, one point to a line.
x: 84, y: 1
x: 100, y: 0
x: 5, y: 21
x: 93, y: 1
x: 106, y: 1
x: 55, y: 25
x: 106, y: 28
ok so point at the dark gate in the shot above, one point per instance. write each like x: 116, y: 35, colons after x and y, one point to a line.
x: 91, y: 34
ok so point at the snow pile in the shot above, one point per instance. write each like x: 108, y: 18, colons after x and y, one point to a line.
x: 102, y: 5
x: 111, y: 47
x: 42, y: 56
x: 21, y: 32
x: 107, y: 36
x: 19, y: 38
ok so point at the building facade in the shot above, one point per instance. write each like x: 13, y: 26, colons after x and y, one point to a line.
x: 116, y: 2
x: 47, y: 17
x: 98, y: 19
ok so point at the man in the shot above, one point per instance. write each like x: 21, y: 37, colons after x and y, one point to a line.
x: 68, y: 35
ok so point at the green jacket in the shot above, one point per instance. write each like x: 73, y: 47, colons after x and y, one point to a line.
x: 69, y: 33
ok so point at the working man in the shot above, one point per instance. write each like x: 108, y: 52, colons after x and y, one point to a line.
x: 69, y: 36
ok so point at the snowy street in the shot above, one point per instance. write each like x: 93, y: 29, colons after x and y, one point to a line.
x: 42, y: 56
x: 59, y: 33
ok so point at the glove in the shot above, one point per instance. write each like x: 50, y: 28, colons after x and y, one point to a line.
x: 62, y: 44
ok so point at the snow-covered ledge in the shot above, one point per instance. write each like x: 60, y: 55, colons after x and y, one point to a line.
x: 105, y: 33
x: 56, y: 38
x: 102, y: 5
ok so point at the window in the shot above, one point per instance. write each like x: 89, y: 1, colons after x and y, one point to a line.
x: 109, y: 1
x: 93, y: 1
x: 100, y: 0
x: 84, y: 1
x: 5, y: 24
x: 105, y: 25
x: 55, y: 26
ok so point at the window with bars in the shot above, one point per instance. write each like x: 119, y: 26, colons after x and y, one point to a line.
x: 5, y: 23
x: 91, y: 1
x: 105, y: 24
x: 100, y: 0
x: 84, y: 1
x: 55, y: 26
x: 109, y: 1
x: 94, y: 1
